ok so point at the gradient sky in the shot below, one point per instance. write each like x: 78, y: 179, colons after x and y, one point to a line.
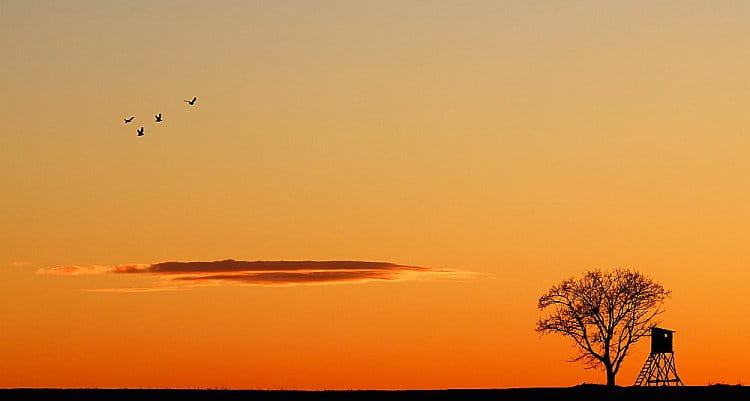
x: 517, y: 142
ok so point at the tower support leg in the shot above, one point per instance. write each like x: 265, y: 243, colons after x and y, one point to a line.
x: 659, y: 370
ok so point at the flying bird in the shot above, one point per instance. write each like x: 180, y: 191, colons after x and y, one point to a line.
x: 191, y: 102
x: 158, y: 118
x: 127, y: 120
x: 139, y: 131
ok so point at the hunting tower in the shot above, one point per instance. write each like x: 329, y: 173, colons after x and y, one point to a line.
x: 659, y: 369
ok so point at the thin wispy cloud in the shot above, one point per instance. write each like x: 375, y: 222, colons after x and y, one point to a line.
x: 173, y: 276
x: 88, y: 270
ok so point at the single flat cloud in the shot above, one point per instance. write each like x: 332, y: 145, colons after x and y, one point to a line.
x: 182, y: 275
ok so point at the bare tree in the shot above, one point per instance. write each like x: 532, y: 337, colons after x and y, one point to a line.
x: 604, y: 313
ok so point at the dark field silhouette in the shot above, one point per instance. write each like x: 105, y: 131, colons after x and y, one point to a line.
x: 577, y: 393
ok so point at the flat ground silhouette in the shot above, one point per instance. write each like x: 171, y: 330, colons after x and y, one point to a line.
x: 583, y: 393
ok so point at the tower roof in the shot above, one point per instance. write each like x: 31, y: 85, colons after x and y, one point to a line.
x: 662, y: 329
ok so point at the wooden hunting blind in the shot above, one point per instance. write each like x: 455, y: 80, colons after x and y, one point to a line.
x: 661, y: 340
x: 660, y: 369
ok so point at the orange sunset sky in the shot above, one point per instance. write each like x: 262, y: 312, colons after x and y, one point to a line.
x: 480, y: 150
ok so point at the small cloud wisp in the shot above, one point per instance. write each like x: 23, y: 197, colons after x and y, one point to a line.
x: 184, y: 275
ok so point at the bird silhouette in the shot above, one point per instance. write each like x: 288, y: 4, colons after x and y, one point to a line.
x: 191, y: 102
x: 139, y: 131
x: 127, y: 120
x: 158, y: 118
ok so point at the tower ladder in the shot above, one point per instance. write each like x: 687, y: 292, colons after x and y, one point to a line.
x: 645, y: 372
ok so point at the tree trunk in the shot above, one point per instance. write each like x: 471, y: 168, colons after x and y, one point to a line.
x: 610, y: 376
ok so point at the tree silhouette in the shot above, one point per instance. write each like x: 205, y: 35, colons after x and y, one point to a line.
x: 604, y: 313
